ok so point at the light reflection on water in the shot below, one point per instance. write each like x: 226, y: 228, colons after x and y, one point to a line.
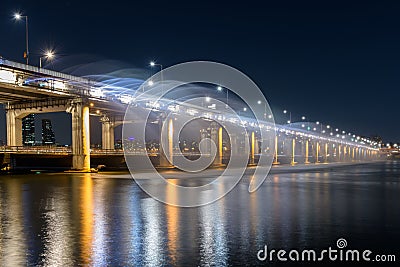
x: 74, y: 219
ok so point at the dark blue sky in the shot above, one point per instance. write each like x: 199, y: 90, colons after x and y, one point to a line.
x: 332, y: 61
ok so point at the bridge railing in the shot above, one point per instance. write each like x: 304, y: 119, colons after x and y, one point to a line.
x: 43, y: 71
x: 35, y: 149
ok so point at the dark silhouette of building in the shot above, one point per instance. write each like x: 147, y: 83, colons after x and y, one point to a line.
x: 28, y: 130
x: 48, y: 137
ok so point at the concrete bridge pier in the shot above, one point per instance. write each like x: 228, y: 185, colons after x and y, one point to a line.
x: 253, y: 149
x: 166, y: 159
x: 234, y: 145
x: 14, y: 128
x: 293, y: 152
x: 80, y: 136
x: 276, y: 151
x: 216, y: 136
x: 306, y: 156
x: 317, y: 152
x: 326, y: 152
x: 107, y: 132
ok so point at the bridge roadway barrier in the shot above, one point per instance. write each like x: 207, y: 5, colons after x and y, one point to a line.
x: 60, y: 158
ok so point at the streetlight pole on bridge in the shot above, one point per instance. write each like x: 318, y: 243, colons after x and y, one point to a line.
x: 48, y: 55
x: 153, y: 64
x: 18, y: 16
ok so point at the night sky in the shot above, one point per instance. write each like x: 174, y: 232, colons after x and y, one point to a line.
x: 331, y: 61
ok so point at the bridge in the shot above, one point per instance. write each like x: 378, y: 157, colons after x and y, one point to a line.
x: 27, y: 89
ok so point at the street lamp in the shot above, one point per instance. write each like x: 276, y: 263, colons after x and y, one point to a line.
x: 48, y: 55
x: 290, y: 116
x: 153, y: 64
x: 265, y: 109
x: 18, y: 16
x: 220, y: 89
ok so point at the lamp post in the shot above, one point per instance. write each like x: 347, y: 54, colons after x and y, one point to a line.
x: 48, y: 55
x: 18, y: 16
x: 290, y: 117
x: 265, y: 108
x: 153, y: 64
x: 220, y: 89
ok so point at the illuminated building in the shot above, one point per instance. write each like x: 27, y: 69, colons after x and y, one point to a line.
x: 28, y: 130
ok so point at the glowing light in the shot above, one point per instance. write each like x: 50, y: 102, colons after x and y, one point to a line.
x: 7, y: 76
x: 244, y: 109
x: 219, y: 88
x: 151, y: 83
x: 96, y: 92
x: 303, y: 118
x: 208, y: 99
x: 17, y: 16
x: 126, y: 99
x: 285, y: 111
x: 59, y: 85
x: 152, y: 63
x: 192, y: 111
x: 318, y: 123
x: 212, y: 106
x: 49, y: 54
x: 259, y: 102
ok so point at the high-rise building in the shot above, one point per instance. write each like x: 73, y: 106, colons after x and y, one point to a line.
x: 28, y: 130
x: 48, y: 137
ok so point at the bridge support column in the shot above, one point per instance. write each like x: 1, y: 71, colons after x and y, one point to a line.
x: 326, y: 152
x: 166, y: 142
x: 107, y: 133
x: 206, y: 145
x: 216, y: 136
x: 317, y: 153
x: 253, y: 148
x: 293, y: 162
x: 256, y: 145
x: 14, y: 128
x: 276, y: 162
x: 306, y: 161
x: 80, y: 137
x: 234, y: 145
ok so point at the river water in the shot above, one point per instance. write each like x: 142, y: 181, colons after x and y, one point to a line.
x: 106, y: 220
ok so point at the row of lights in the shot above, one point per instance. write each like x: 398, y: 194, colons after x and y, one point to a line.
x: 50, y: 55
